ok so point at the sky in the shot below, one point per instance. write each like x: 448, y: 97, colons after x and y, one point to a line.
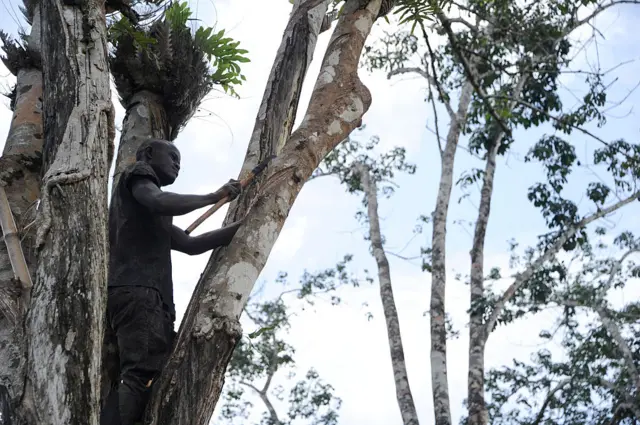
x: 349, y: 350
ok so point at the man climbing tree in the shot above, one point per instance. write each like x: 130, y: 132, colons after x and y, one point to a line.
x: 140, y: 309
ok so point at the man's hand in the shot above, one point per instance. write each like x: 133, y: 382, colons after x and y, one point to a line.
x: 232, y: 189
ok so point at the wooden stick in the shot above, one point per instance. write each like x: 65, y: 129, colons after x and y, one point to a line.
x: 14, y: 248
x: 243, y: 183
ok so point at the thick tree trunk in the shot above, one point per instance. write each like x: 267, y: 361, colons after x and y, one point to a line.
x: 191, y: 383
x: 65, y: 321
x: 403, y: 390
x: 20, y: 168
x: 279, y: 105
x: 439, y: 380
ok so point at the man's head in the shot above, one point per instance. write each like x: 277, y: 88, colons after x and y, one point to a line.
x: 163, y: 157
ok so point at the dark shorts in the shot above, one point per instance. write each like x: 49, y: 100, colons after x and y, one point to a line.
x: 143, y: 328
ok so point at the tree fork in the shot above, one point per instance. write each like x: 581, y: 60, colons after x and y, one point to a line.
x: 189, y: 387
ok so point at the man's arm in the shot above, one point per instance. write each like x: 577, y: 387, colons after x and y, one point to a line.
x: 194, y: 245
x: 167, y: 203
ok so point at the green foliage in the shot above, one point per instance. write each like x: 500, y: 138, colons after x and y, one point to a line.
x: 593, y: 381
x: 342, y: 160
x: 168, y: 58
x: 265, y: 356
x: 416, y: 11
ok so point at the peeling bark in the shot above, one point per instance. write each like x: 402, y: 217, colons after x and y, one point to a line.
x: 478, y: 414
x: 403, y: 390
x: 20, y: 167
x: 279, y: 106
x: 65, y: 320
x: 189, y: 388
x: 439, y: 380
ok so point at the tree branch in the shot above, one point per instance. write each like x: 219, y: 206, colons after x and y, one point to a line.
x: 265, y: 399
x: 470, y: 73
x: 523, y: 277
x: 547, y: 400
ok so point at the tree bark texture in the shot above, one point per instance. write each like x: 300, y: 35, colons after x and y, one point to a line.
x: 478, y: 414
x: 279, y: 105
x: 403, y: 390
x: 145, y: 118
x: 65, y: 320
x: 191, y: 383
x: 20, y: 167
x: 439, y: 380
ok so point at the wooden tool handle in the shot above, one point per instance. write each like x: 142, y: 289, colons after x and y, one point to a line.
x: 244, y: 183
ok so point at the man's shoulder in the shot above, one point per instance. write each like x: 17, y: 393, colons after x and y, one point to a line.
x: 139, y: 169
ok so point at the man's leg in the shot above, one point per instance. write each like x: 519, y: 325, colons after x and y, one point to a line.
x: 138, y: 320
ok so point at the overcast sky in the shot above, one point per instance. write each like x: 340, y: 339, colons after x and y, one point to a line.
x: 350, y: 351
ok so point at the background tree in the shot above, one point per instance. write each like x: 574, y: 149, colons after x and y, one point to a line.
x: 594, y: 377
x: 354, y: 164
x: 264, y: 356
x: 505, y: 60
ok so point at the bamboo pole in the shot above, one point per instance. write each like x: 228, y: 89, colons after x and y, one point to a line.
x: 14, y: 249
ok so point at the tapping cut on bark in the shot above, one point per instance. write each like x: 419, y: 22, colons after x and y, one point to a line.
x: 210, y: 328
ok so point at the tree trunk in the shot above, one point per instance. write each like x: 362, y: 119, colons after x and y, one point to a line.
x: 145, y: 117
x: 403, y: 390
x: 190, y: 385
x: 475, y: 397
x: 478, y: 414
x: 65, y: 321
x: 279, y: 106
x: 439, y: 380
x: 20, y: 167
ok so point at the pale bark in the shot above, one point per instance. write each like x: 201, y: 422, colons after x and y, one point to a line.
x: 65, y: 320
x: 403, y: 390
x: 439, y: 380
x: 279, y: 106
x: 478, y: 414
x: 20, y: 167
x: 191, y: 383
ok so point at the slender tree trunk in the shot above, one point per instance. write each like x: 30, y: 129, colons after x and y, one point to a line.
x: 191, y: 383
x: 478, y: 333
x: 403, y: 390
x: 65, y: 320
x: 20, y: 168
x: 145, y: 118
x: 439, y: 380
x: 477, y: 409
